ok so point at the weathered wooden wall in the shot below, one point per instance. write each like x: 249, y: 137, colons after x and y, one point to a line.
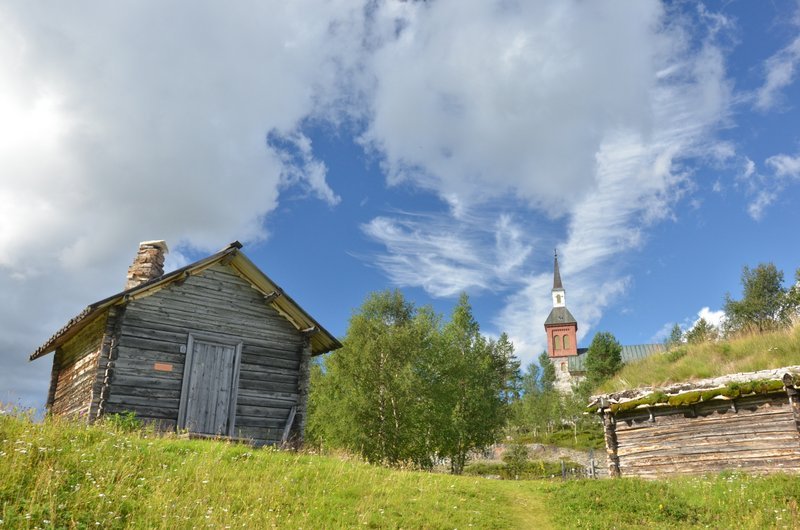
x: 756, y: 434
x: 74, y: 370
x: 148, y: 368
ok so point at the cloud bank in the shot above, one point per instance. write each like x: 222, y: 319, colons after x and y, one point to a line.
x: 125, y: 120
x: 538, y: 124
x: 583, y: 112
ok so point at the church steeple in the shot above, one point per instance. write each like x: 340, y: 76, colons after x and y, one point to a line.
x: 560, y: 326
x: 559, y: 295
x: 556, y: 274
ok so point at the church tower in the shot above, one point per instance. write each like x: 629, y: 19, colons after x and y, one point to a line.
x: 561, y: 327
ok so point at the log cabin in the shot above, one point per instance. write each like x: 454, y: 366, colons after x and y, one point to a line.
x: 215, y: 348
x: 746, y: 422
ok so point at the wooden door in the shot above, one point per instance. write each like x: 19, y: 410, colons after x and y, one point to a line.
x: 208, y: 398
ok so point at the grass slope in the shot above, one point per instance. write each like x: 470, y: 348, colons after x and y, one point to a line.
x: 712, y: 359
x: 59, y: 475
x: 69, y: 476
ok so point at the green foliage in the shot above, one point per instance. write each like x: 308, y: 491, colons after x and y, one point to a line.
x: 544, y: 415
x: 675, y: 354
x: 472, y: 393
x: 765, y: 305
x: 372, y: 396
x: 711, y: 359
x: 603, y: 359
x: 548, y: 369
x: 516, y: 458
x: 124, y: 422
x: 406, y: 390
x: 675, y: 337
x: 702, y: 331
x: 530, y: 470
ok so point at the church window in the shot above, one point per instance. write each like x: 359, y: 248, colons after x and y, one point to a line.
x: 558, y: 298
x: 563, y: 367
x: 557, y: 342
x: 566, y: 341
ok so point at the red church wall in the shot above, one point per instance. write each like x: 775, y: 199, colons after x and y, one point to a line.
x: 555, y: 340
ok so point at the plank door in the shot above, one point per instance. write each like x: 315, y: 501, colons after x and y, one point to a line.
x: 208, y: 397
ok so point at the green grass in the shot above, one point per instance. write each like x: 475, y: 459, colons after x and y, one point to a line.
x: 61, y: 475
x: 712, y: 359
x: 729, y: 500
x: 535, y: 469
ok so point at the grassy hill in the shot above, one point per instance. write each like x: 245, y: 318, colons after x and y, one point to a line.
x: 698, y: 361
x: 60, y: 475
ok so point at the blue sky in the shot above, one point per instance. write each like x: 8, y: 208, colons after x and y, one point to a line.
x: 436, y: 147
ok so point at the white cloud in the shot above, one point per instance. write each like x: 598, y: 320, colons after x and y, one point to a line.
x: 446, y: 256
x: 763, y: 189
x: 481, y: 99
x: 757, y: 207
x: 785, y: 166
x: 781, y: 70
x: 136, y: 120
x: 141, y: 120
x: 663, y: 333
x: 498, y: 102
x: 715, y: 318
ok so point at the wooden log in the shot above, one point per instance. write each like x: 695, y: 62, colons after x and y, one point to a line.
x: 794, y: 399
x: 610, y: 435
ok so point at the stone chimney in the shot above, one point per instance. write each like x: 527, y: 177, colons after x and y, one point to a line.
x: 148, y: 263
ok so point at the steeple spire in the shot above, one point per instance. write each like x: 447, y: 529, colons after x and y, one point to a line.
x: 556, y: 275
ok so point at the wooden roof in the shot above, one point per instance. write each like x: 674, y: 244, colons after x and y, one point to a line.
x: 321, y: 340
x: 687, y: 392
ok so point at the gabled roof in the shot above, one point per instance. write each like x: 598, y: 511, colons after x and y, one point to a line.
x: 634, y: 352
x: 559, y: 315
x: 321, y: 340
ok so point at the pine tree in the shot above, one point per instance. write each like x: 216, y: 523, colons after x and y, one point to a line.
x: 603, y: 359
x: 548, y: 371
x: 675, y: 337
x: 702, y: 331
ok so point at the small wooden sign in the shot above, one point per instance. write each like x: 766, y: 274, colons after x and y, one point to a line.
x: 162, y: 367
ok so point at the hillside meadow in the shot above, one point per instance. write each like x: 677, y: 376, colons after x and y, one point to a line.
x: 689, y: 362
x: 61, y: 475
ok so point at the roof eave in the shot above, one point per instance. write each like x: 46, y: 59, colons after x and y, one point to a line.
x: 321, y: 342
x: 77, y: 323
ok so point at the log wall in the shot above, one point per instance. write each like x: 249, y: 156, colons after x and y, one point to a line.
x: 755, y: 434
x: 74, y: 370
x: 151, y: 349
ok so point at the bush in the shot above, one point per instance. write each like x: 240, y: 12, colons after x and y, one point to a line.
x: 515, y: 459
x: 124, y: 422
x: 531, y: 470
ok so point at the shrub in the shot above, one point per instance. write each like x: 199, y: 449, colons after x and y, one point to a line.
x: 124, y: 422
